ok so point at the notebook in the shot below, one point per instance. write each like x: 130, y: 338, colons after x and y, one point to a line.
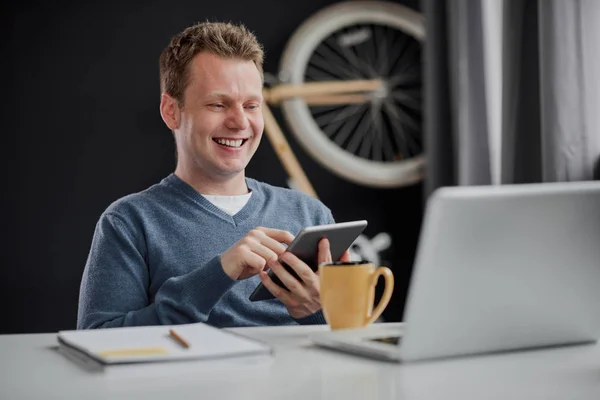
x: 155, y: 343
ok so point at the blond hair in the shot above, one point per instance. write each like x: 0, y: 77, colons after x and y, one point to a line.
x: 222, y: 39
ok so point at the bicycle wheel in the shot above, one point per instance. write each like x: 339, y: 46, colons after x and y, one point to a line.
x: 378, y: 142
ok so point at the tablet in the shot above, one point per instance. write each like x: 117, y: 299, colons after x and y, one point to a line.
x: 306, y: 245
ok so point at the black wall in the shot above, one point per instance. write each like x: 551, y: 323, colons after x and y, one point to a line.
x: 81, y: 128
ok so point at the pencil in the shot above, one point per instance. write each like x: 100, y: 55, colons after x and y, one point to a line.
x: 179, y: 339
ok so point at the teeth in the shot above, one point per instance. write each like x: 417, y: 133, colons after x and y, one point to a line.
x: 230, y: 143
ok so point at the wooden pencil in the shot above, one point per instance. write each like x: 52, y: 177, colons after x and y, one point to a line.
x: 179, y: 339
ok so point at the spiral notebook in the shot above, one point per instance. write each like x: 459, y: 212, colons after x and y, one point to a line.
x: 160, y: 343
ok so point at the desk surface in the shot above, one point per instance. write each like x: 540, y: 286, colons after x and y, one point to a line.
x: 32, y: 368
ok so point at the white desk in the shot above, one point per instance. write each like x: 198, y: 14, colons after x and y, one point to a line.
x: 32, y: 368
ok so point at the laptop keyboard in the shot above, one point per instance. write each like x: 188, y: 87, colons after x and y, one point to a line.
x: 389, y: 340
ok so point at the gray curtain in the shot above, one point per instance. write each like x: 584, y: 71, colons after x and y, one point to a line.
x: 455, y: 115
x: 550, y: 92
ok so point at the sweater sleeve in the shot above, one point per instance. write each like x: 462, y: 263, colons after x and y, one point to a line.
x: 316, y: 318
x: 114, y: 287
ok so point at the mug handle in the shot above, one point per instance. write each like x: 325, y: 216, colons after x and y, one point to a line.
x: 387, y: 292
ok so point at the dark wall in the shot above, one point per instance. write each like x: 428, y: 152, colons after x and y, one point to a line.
x: 81, y: 128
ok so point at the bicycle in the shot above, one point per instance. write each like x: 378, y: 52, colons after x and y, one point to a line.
x: 356, y: 110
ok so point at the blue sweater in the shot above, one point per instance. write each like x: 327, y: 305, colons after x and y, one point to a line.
x: 155, y: 258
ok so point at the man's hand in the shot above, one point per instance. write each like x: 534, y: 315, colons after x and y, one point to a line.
x: 251, y: 253
x: 303, y: 297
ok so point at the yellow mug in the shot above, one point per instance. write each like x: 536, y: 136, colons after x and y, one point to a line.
x: 348, y: 293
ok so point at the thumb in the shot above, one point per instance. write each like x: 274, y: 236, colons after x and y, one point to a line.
x: 324, y: 252
x: 346, y: 256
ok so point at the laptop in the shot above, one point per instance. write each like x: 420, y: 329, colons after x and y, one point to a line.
x: 498, y: 268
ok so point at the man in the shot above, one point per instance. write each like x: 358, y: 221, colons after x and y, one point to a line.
x: 194, y: 246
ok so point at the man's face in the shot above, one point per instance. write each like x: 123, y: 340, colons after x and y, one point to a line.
x: 221, y: 119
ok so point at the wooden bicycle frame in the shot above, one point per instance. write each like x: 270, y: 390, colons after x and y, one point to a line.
x: 314, y: 93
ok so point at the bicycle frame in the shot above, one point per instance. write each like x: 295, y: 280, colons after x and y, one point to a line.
x: 314, y: 93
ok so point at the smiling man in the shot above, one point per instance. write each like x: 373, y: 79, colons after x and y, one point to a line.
x: 193, y: 247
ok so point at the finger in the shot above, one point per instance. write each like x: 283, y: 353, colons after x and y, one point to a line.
x: 346, y: 256
x: 262, y: 237
x: 251, y: 265
x: 324, y: 252
x: 254, y: 262
x: 262, y: 251
x: 278, y: 234
x: 306, y: 274
x: 274, y: 288
x: 273, y: 245
x: 294, y: 285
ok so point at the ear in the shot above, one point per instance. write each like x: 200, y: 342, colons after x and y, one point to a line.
x: 169, y: 111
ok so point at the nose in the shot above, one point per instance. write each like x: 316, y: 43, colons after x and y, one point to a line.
x: 237, y: 119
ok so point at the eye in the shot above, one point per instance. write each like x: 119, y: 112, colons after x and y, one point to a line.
x: 252, y: 106
x: 217, y: 105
